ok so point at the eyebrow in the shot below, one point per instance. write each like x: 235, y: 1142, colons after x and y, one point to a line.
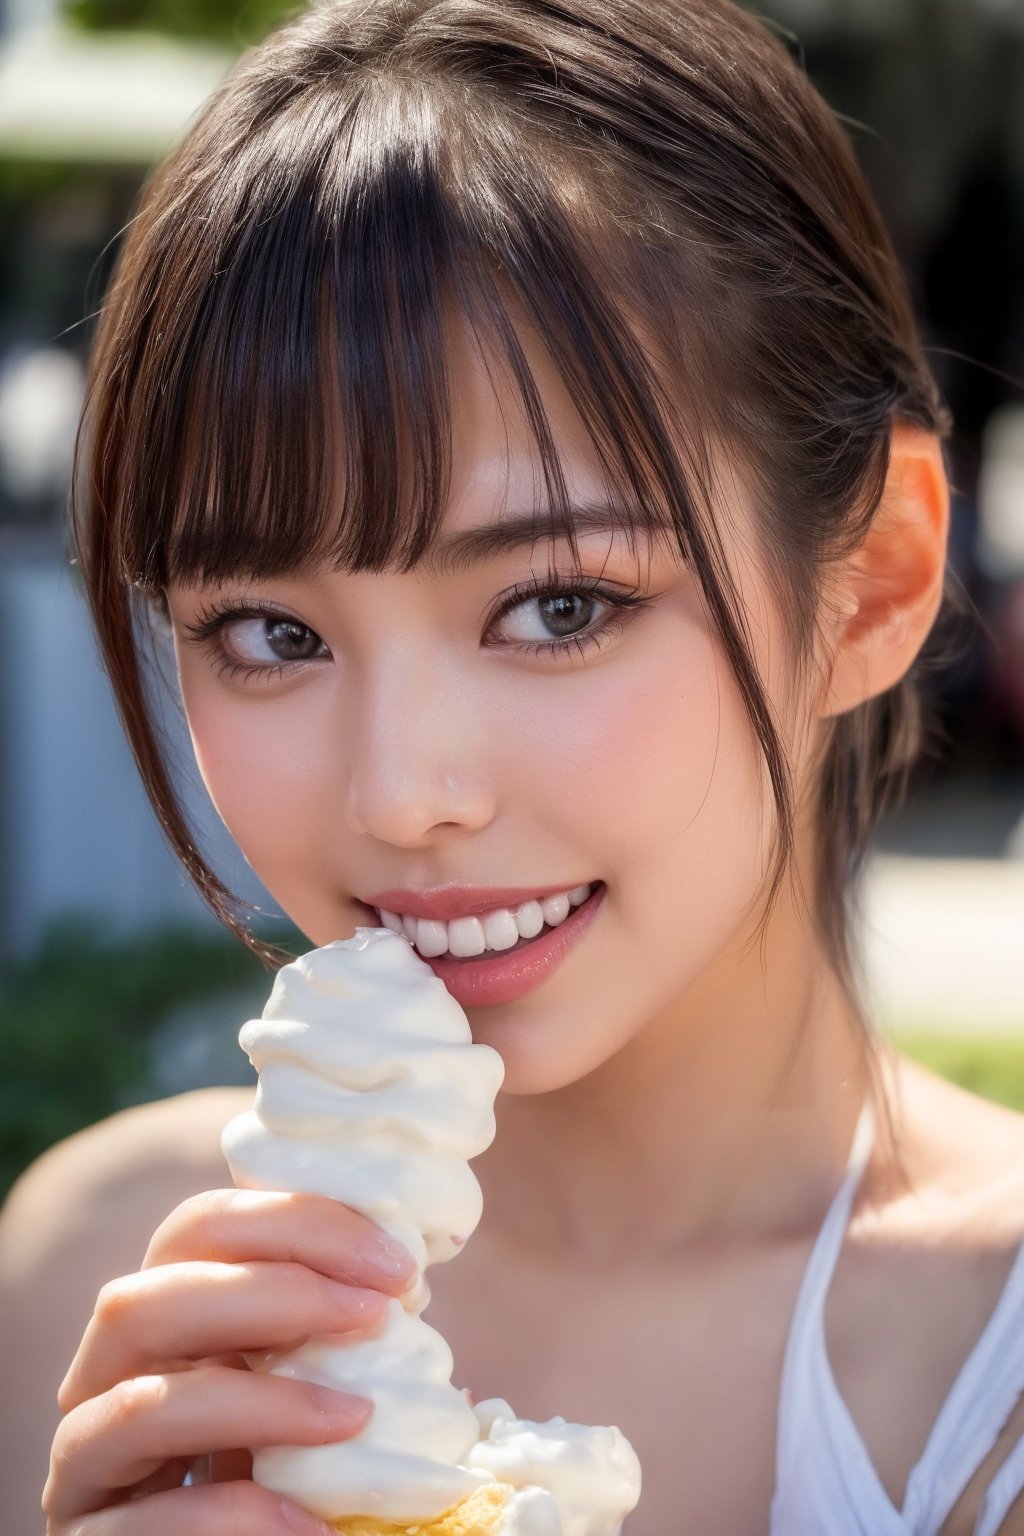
x: 474, y: 546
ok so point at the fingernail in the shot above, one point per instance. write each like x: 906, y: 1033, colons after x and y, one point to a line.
x: 339, y: 1405
x: 389, y: 1257
x: 297, y: 1519
x: 358, y: 1303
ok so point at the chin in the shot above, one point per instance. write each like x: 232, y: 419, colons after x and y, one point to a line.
x: 533, y: 1062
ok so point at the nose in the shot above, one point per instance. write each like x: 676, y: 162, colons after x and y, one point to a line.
x: 414, y: 750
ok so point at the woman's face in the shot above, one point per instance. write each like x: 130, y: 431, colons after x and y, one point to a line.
x: 411, y: 736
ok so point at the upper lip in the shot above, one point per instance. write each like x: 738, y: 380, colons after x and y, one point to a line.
x: 445, y: 903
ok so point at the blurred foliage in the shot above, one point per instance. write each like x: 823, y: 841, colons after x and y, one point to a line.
x: 989, y: 1065
x: 29, y: 181
x: 239, y: 23
x: 77, y: 1021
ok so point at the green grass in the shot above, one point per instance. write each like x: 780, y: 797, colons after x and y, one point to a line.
x: 989, y: 1065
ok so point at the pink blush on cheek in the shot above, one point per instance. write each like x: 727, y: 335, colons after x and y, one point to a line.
x: 637, y: 750
x: 274, y: 785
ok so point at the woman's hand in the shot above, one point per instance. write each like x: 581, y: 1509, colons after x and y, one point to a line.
x: 160, y: 1380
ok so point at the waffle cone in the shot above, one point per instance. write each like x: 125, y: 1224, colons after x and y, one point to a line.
x: 478, y: 1515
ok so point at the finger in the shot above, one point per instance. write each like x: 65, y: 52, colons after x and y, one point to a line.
x: 224, y: 1509
x: 114, y: 1442
x: 230, y: 1225
x: 159, y: 1318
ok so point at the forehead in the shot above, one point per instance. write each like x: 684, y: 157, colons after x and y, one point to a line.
x: 498, y: 498
x: 495, y: 451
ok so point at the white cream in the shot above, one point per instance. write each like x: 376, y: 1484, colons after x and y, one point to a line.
x: 410, y: 1462
x: 531, y: 1512
x: 592, y: 1473
x: 372, y: 1092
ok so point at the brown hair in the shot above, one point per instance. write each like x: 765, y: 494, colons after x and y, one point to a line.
x: 596, y: 167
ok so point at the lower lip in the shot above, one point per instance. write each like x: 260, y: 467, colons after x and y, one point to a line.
x: 503, y: 977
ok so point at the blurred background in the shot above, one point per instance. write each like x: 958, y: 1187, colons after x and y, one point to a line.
x: 115, y: 984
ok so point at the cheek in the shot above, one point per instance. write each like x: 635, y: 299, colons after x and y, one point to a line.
x: 648, y: 766
x: 661, y: 792
x: 266, y: 767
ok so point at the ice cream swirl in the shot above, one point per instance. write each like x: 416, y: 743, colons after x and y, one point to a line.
x: 372, y: 1092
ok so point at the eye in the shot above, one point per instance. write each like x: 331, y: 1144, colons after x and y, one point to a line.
x: 550, y: 617
x: 258, y: 641
x: 557, y: 616
x: 253, y: 641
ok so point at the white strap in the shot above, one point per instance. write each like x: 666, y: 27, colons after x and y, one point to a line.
x: 1003, y: 1491
x: 807, y: 1463
x: 980, y: 1401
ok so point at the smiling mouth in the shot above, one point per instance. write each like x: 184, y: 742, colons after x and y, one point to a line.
x: 493, y: 954
x: 484, y: 937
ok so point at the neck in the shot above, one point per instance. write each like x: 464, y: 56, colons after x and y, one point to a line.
x: 728, y: 1118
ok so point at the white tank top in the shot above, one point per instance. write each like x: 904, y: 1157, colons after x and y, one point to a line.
x: 826, y: 1484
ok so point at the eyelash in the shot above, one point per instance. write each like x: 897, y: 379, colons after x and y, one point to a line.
x: 214, y: 620
x: 581, y: 586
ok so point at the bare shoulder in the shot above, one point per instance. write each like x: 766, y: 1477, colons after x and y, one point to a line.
x: 964, y: 1161
x: 936, y: 1227
x: 933, y: 1240
x: 116, y: 1180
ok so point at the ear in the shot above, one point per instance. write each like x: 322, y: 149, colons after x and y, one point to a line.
x: 886, y: 593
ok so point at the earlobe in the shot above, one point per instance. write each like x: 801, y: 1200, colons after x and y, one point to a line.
x: 886, y: 593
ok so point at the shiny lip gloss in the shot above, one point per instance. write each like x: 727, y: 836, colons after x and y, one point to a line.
x: 503, y: 976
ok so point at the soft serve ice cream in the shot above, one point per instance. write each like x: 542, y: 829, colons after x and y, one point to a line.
x: 372, y: 1092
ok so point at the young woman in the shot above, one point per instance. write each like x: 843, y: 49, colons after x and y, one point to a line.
x: 512, y: 412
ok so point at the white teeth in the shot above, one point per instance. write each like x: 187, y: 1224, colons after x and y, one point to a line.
x: 555, y: 909
x: 496, y: 930
x: 500, y: 931
x: 431, y: 937
x: 466, y: 937
x: 529, y: 919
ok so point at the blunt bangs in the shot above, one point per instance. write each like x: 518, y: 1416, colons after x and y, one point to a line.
x: 285, y: 401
